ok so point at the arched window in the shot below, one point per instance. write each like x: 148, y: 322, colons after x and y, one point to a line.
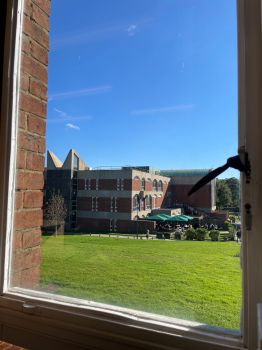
x: 143, y: 184
x: 154, y: 185
x: 142, y: 203
x: 160, y: 186
x: 154, y: 201
x: 136, y: 203
x: 148, y: 200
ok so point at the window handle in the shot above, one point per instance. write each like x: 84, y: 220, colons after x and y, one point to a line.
x: 232, y: 162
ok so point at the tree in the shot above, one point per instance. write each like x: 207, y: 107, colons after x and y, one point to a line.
x: 56, y: 211
x: 233, y: 184
x: 223, y: 194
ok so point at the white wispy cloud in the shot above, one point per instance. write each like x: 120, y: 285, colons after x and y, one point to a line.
x: 131, y: 30
x: 78, y: 93
x: 72, y: 126
x: 97, y: 33
x: 163, y: 109
x: 63, y: 117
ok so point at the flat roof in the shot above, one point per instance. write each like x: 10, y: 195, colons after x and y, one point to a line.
x: 185, y: 172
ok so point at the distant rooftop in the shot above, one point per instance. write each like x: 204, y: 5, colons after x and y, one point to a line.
x: 185, y: 172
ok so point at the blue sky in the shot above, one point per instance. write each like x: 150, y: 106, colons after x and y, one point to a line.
x: 144, y: 82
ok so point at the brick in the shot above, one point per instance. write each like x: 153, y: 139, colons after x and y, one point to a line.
x: 26, y: 259
x: 36, y: 32
x: 32, y: 67
x: 31, y: 142
x: 30, y: 277
x: 24, y: 82
x: 31, y: 238
x: 40, y: 53
x: 34, y: 161
x: 22, y: 120
x: 25, y: 43
x: 36, y: 125
x: 28, y: 7
x: 32, y: 105
x: 29, y: 181
x: 33, y: 199
x: 17, y: 241
x: 38, y: 89
x: 21, y: 159
x: 19, y: 200
x: 31, y: 257
x: 40, y: 17
x: 28, y: 219
x: 44, y: 5
x: 15, y: 277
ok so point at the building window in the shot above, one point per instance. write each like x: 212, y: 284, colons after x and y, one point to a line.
x: 122, y: 184
x: 143, y: 184
x: 154, y: 185
x: 115, y: 204
x: 136, y: 203
x: 160, y: 186
x: 148, y: 201
x: 118, y: 184
x: 115, y: 225
x: 76, y: 162
x: 154, y: 201
x: 111, y: 203
x: 97, y: 184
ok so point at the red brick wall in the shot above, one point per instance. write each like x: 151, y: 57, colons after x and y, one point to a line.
x: 136, y: 185
x: 104, y: 204
x: 31, y: 144
x: 108, y: 184
x: 93, y: 184
x: 200, y: 199
x: 93, y: 224
x: 149, y: 186
x: 123, y: 226
x: 128, y: 184
x: 133, y: 226
x: 124, y: 205
x: 84, y: 203
x: 81, y: 184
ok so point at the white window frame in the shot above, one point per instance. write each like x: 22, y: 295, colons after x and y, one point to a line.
x: 115, y: 202
x: 31, y: 318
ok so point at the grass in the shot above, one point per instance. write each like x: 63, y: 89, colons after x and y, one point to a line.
x: 199, y: 281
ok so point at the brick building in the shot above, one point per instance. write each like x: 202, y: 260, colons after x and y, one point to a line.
x: 181, y: 183
x: 108, y: 200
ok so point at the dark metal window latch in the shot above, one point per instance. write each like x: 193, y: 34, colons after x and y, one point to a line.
x: 232, y: 162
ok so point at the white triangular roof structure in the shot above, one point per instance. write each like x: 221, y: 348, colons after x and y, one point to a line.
x: 53, y: 162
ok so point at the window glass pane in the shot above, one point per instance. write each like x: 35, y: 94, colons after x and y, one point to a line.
x: 151, y: 84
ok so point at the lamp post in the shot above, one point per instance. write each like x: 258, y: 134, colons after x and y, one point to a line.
x: 137, y: 209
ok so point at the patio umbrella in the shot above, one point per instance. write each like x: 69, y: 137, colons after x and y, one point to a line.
x: 178, y: 218
x: 158, y: 217
x: 187, y: 217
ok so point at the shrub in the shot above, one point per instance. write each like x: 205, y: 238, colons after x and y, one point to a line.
x: 214, y: 235
x: 178, y: 235
x: 201, y: 234
x: 230, y: 228
x: 190, y: 234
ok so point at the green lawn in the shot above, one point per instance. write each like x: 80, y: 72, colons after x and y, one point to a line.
x: 198, y: 281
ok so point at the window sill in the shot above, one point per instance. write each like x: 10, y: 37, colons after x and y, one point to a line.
x: 104, y: 326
